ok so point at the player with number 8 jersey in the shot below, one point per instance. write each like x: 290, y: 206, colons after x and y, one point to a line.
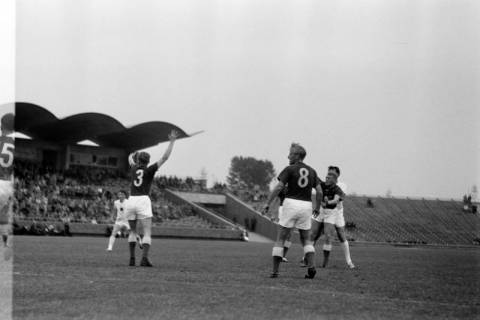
x: 299, y: 180
x: 139, y: 205
x: 297, y: 206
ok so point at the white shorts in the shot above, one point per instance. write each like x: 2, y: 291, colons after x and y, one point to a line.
x: 121, y: 224
x: 6, y: 190
x: 332, y: 216
x: 139, y: 207
x: 296, y: 214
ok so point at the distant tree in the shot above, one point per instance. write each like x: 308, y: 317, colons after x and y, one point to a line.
x: 247, y: 172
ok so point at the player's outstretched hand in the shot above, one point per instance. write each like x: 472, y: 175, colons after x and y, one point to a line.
x: 315, y: 213
x: 173, y: 135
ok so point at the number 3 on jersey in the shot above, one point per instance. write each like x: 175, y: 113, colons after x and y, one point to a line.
x: 139, y: 180
x: 303, y: 180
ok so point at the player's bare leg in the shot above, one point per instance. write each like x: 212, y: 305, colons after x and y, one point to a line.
x: 8, y: 247
x: 139, y: 240
x: 345, y: 246
x: 329, y: 230
x: 132, y: 240
x: 315, y: 233
x: 286, y: 245
x: 147, y: 240
x: 7, y: 240
x: 277, y: 252
x: 111, y: 240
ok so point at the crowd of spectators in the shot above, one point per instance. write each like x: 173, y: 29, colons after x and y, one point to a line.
x: 83, y: 194
x: 35, y: 228
x: 187, y: 184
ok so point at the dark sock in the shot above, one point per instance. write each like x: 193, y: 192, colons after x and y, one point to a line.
x: 310, y: 259
x: 4, y: 238
x: 326, y: 254
x: 276, y: 263
x: 146, y: 247
x: 285, y: 250
x: 132, y: 249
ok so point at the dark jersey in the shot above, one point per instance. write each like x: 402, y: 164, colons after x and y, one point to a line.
x: 330, y: 191
x: 299, y: 179
x: 142, y: 178
x: 7, y: 147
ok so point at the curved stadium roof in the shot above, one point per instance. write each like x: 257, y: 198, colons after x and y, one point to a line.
x: 39, y: 123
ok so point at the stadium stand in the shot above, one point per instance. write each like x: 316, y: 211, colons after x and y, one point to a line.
x: 400, y: 220
x: 86, y: 195
x: 60, y: 181
x: 69, y: 170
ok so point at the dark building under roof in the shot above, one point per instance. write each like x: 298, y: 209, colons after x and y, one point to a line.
x: 55, y: 141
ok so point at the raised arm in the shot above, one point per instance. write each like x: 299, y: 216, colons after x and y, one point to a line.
x: 172, y: 137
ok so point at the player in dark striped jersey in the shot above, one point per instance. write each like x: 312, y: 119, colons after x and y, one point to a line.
x: 7, y: 147
x: 139, y: 205
x: 330, y: 220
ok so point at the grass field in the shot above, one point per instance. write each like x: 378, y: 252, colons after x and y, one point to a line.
x: 75, y: 278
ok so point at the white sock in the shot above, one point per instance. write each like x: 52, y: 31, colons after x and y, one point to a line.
x: 346, y: 251
x: 111, y: 241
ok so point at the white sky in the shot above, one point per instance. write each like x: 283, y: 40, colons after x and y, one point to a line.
x: 7, y: 52
x: 387, y: 90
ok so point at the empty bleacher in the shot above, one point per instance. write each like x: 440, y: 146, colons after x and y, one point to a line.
x: 416, y: 221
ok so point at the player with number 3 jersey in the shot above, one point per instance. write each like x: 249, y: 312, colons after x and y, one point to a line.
x: 139, y: 205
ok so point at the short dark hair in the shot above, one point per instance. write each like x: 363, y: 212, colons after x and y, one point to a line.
x: 334, y: 168
x: 143, y: 158
x: 8, y: 122
x: 124, y: 192
x: 298, y: 149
